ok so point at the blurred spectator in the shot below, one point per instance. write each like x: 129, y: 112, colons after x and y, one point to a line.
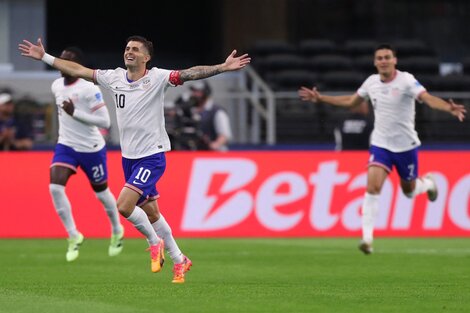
x: 353, y: 133
x: 183, y: 125
x: 214, y: 121
x: 15, y: 132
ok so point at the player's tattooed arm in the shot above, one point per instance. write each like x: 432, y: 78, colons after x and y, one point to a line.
x: 200, y: 72
x: 232, y: 63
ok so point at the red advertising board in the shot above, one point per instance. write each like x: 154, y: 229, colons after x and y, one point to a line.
x: 246, y: 194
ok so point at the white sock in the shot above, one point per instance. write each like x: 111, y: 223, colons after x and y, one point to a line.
x: 164, y: 231
x: 370, y: 209
x: 109, y: 203
x: 140, y: 221
x: 423, y: 184
x: 63, y: 208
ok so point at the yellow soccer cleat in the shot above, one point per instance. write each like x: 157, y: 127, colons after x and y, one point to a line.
x: 157, y: 257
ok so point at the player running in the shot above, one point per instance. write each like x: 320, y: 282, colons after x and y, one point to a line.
x: 139, y: 96
x: 394, y: 141
x: 81, y: 111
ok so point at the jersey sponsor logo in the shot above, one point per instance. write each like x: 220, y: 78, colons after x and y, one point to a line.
x: 136, y: 182
x: 134, y: 86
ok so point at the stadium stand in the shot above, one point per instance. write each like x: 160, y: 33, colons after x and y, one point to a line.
x: 466, y: 65
x: 313, y: 47
x: 334, y: 67
x: 343, y: 80
x: 412, y: 47
x: 291, y: 79
x: 419, y: 65
x: 355, y: 48
x: 329, y: 62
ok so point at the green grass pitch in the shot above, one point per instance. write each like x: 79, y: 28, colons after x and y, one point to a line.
x: 239, y: 275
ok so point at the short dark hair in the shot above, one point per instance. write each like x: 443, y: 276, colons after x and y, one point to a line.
x: 147, y: 43
x: 386, y: 46
x: 79, y: 56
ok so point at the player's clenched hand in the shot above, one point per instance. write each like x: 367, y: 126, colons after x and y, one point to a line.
x: 457, y: 110
x: 307, y: 94
x: 233, y: 63
x: 68, y: 107
x: 31, y: 50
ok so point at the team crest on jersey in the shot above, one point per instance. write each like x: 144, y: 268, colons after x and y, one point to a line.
x: 395, y: 92
x: 146, y: 83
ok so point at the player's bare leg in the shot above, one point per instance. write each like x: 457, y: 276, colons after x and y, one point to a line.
x: 182, y: 264
x: 126, y: 204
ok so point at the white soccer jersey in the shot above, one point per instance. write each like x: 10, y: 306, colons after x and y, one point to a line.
x: 139, y: 110
x: 87, y: 98
x: 394, y: 110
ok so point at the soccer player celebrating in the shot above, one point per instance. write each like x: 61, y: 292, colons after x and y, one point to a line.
x: 139, y: 96
x: 81, y: 111
x: 394, y: 140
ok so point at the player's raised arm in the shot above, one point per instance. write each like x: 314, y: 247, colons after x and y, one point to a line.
x: 313, y: 95
x: 37, y: 52
x: 457, y: 110
x: 232, y: 63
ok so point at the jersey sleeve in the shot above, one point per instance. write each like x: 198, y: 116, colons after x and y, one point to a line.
x: 363, y: 91
x: 414, y: 87
x: 94, y: 98
x: 103, y: 78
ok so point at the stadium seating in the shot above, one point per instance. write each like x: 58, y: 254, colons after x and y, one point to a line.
x: 343, y: 80
x: 268, y: 47
x: 329, y: 62
x: 466, y: 65
x: 292, y: 79
x: 314, y: 47
x: 365, y: 64
x: 419, y: 65
x: 355, y: 48
x: 342, y: 67
x: 412, y: 47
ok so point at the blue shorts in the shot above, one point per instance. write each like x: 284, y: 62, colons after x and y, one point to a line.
x: 92, y: 163
x: 406, y: 162
x: 142, y: 175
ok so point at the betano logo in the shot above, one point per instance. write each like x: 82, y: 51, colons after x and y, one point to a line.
x: 220, y: 196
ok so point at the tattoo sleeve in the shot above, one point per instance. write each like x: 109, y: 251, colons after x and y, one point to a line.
x: 200, y: 72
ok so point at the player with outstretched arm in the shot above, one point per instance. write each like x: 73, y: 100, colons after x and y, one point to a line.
x: 139, y: 96
x: 394, y: 141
